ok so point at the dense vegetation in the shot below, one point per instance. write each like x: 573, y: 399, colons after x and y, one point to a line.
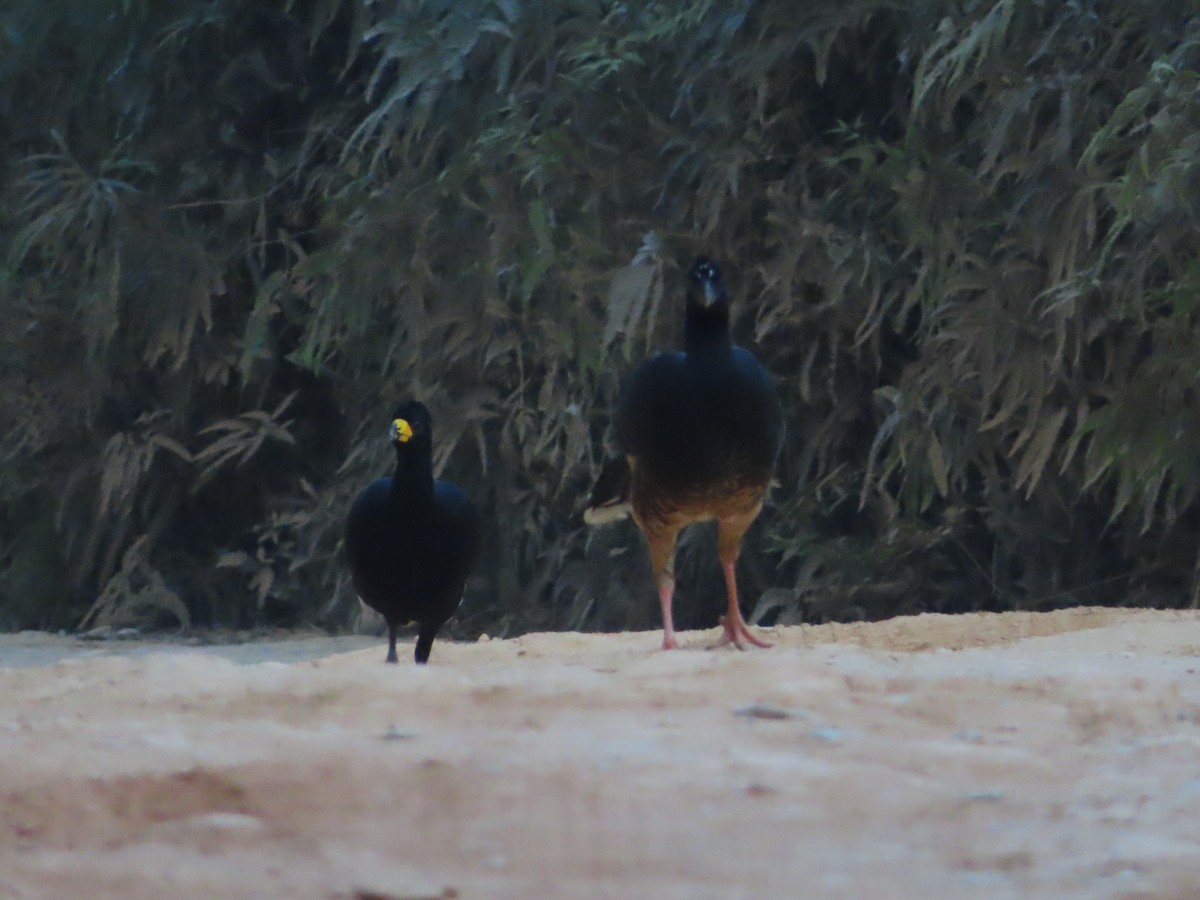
x: 961, y: 234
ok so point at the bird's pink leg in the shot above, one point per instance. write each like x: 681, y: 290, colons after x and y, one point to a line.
x: 666, y: 589
x: 736, y: 630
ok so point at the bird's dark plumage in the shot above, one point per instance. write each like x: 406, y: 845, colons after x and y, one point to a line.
x: 699, y: 432
x: 411, y: 540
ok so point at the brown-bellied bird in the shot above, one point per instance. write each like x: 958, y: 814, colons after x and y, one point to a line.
x: 698, y: 433
x: 411, y: 540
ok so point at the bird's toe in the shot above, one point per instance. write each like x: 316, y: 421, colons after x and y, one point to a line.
x: 738, y: 634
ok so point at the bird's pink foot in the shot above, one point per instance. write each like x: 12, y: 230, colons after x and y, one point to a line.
x: 666, y: 589
x: 738, y: 633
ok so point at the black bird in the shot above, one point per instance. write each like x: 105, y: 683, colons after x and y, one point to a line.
x: 699, y: 432
x: 411, y: 540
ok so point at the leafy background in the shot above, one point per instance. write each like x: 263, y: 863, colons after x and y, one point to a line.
x: 962, y: 235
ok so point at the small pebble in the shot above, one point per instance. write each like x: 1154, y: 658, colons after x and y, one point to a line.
x: 829, y: 734
x: 759, y: 790
x: 986, y: 796
x: 398, y: 733
x: 766, y: 711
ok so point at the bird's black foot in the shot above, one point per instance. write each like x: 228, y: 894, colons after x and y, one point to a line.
x: 391, y: 657
x: 425, y: 642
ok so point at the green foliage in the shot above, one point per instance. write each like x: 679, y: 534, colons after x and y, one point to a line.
x: 961, y: 235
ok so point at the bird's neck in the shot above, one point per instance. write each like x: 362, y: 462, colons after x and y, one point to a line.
x: 413, y: 478
x: 706, y: 330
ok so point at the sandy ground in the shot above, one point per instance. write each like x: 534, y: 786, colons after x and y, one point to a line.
x: 1017, y: 755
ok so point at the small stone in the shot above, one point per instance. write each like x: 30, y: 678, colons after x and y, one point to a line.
x: 759, y: 790
x: 828, y: 734
x: 399, y: 733
x: 766, y: 711
x: 986, y: 796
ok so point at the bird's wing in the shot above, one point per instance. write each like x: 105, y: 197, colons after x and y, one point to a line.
x: 654, y: 391
x: 461, y: 520
x: 763, y: 406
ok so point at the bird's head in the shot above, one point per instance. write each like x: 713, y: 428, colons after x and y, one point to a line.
x: 708, y: 285
x: 411, y: 425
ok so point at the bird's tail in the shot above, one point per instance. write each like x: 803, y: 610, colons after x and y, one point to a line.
x: 610, y: 495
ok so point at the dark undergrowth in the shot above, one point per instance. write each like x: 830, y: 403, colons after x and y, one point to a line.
x: 960, y: 234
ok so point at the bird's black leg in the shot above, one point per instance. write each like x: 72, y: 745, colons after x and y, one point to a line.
x: 391, y: 657
x: 425, y: 641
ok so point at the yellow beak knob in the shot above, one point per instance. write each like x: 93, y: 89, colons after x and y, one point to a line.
x: 401, y: 431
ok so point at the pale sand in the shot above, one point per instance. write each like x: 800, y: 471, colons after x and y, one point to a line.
x: 1016, y: 755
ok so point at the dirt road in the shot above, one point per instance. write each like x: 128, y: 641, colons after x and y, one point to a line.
x: 1016, y: 755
